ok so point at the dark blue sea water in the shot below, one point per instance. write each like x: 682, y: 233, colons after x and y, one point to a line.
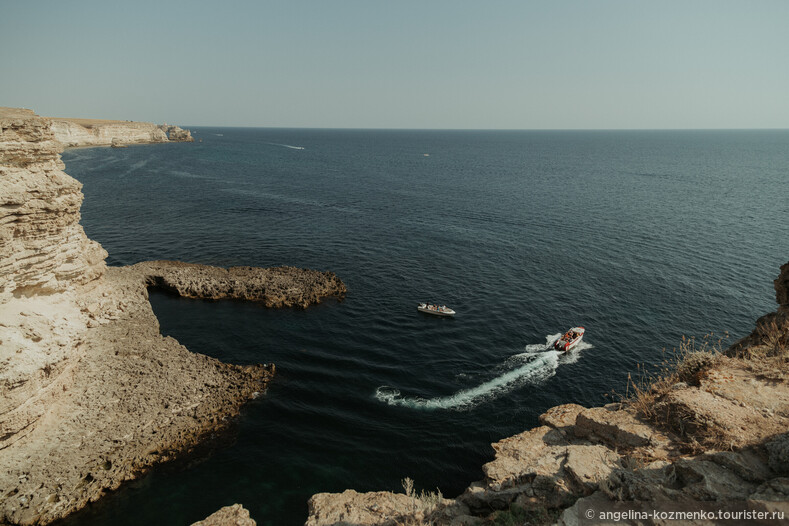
x: 640, y: 236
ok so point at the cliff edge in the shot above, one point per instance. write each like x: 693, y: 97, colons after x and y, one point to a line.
x: 99, y: 132
x: 91, y: 394
x: 710, y: 433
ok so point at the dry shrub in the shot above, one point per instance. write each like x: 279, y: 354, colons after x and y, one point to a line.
x: 424, y: 503
x: 769, y: 339
x: 774, y: 335
x: 688, y: 365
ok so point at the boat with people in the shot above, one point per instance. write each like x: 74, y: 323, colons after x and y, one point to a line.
x: 570, y: 339
x: 437, y: 310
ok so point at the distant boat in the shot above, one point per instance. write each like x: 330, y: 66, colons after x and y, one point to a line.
x: 570, y: 339
x: 436, y: 310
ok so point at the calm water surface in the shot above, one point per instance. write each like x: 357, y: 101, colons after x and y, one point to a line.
x: 641, y: 237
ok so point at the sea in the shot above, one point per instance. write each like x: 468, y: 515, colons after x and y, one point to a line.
x: 641, y: 237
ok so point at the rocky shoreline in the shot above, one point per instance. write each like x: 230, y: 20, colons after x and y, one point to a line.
x: 91, y: 394
x: 275, y: 287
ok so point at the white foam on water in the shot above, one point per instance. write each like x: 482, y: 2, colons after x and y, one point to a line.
x: 286, y: 146
x: 537, y: 363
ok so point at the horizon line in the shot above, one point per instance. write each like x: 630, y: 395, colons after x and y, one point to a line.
x: 350, y: 128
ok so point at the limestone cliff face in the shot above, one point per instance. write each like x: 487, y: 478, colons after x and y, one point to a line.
x: 91, y: 394
x: 43, y: 248
x: 84, y: 132
x: 43, y: 253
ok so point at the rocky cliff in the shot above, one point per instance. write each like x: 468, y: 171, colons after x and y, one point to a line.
x: 95, y: 132
x: 91, y: 394
x: 711, y: 433
x: 177, y: 134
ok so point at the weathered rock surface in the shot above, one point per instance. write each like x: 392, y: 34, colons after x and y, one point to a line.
x: 96, y: 132
x: 721, y: 441
x: 91, y: 394
x: 275, y: 287
x: 350, y: 507
x: 235, y: 515
x: 43, y: 248
x: 123, y: 400
x: 44, y: 254
x: 176, y: 133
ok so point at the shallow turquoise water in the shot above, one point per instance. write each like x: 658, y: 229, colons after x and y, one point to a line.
x: 641, y: 237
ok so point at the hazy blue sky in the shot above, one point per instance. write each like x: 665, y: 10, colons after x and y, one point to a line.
x: 402, y: 64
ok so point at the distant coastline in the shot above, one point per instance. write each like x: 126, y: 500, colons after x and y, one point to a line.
x: 78, y: 132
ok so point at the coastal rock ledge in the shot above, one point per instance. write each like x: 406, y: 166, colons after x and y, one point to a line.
x: 91, y: 394
x: 275, y: 287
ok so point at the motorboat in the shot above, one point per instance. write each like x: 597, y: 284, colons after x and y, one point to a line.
x: 570, y: 339
x: 436, y: 310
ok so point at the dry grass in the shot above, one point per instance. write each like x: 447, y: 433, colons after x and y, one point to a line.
x: 772, y: 340
x: 688, y: 364
x: 767, y: 352
x: 424, y: 503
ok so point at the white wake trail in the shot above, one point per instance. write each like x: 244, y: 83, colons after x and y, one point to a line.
x: 537, y: 363
x: 286, y: 146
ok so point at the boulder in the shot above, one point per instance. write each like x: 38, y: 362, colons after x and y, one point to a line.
x: 561, y: 417
x: 235, y: 515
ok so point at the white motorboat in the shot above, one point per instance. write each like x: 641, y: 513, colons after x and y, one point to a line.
x: 570, y: 339
x: 437, y: 310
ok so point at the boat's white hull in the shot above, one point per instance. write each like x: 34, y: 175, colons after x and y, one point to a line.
x: 434, y: 311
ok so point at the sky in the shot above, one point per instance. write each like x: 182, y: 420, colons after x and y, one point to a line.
x: 441, y: 64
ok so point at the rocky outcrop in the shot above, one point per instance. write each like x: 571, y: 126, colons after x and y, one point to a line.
x: 722, y: 440
x: 95, y: 132
x: 124, y: 399
x: 91, y: 394
x: 44, y: 254
x: 235, y: 515
x: 176, y: 134
x: 276, y: 287
x: 350, y: 507
x: 781, y: 285
x: 43, y: 248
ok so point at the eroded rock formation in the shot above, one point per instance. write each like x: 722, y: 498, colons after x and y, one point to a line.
x: 276, y: 287
x: 96, y: 132
x: 91, y: 394
x: 176, y: 133
x: 43, y: 248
